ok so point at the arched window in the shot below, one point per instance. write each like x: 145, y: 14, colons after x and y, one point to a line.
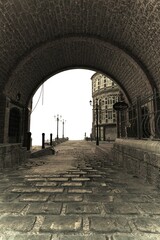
x: 14, y: 125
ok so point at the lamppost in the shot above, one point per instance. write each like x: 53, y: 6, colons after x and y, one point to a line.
x: 63, y: 122
x: 97, y: 117
x: 57, y: 119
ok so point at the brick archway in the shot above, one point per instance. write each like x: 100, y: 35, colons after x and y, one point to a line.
x: 76, y: 52
x: 41, y: 38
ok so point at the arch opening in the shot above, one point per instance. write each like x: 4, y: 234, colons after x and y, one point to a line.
x: 68, y: 94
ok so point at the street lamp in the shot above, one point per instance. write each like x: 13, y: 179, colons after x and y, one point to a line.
x: 57, y: 119
x: 97, y: 117
x: 63, y: 122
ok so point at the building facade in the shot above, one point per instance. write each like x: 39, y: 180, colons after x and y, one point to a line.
x: 104, y: 93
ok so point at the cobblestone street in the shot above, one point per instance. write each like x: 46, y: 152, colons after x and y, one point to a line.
x: 74, y: 195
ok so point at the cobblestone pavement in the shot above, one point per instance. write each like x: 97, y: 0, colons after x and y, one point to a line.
x: 76, y: 194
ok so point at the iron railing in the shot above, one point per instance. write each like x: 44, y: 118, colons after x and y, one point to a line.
x: 141, y: 120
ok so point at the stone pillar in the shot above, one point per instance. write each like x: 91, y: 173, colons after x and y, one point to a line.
x: 50, y: 139
x: 26, y: 126
x: 28, y: 140
x: 43, y: 140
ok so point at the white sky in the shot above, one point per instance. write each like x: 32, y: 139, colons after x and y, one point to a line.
x: 68, y: 94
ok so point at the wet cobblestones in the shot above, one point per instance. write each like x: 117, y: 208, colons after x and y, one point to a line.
x: 86, y: 201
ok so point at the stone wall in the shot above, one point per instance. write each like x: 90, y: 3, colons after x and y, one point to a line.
x: 139, y: 157
x: 12, y: 155
x: 42, y: 152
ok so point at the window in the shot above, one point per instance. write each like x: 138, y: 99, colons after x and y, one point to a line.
x: 109, y: 114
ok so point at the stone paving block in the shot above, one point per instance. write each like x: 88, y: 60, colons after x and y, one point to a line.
x: 61, y: 179
x: 73, y: 170
x: 79, y: 172
x: 140, y: 189
x: 71, y: 184
x: 103, y: 184
x: 45, y: 208
x: 109, y: 225
x: 11, y: 207
x: 95, y: 184
x: 35, y: 179
x: 83, y: 237
x: 22, y: 184
x: 101, y: 172
x: 109, y: 180
x: 90, y: 169
x: 148, y: 225
x: 87, y: 169
x: 101, y: 190
x: 94, y: 176
x: 17, y: 223
x: 118, y: 191
x: 61, y: 224
x: 135, y: 190
x: 38, y: 197
x: 51, y: 190
x: 80, y: 179
x: 4, y: 177
x: 4, y: 188
x: 99, y: 198
x: 71, y: 175
x: 30, y: 237
x: 148, y: 208
x: 121, y: 208
x: 155, y: 197
x: 137, y: 198
x: 32, y: 176
x: 46, y: 184
x: 118, y: 185
x: 5, y: 183
x: 67, y: 198
x: 8, y: 197
x: 51, y: 175
x: 24, y: 189
x: 79, y: 190
x: 135, y: 237
x: 82, y: 208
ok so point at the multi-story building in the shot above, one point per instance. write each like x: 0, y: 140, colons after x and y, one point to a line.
x: 104, y: 93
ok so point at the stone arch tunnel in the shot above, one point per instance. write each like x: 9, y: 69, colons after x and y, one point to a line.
x: 41, y: 38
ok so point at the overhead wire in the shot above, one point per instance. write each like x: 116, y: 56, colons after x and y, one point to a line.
x: 41, y: 94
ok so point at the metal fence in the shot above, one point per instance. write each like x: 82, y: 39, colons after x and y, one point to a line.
x: 141, y: 120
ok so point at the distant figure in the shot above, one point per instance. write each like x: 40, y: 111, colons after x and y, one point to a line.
x: 108, y: 139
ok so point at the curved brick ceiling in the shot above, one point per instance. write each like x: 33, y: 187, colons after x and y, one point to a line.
x: 41, y: 37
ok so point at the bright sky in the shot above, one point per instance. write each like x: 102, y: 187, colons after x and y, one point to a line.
x: 67, y: 94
